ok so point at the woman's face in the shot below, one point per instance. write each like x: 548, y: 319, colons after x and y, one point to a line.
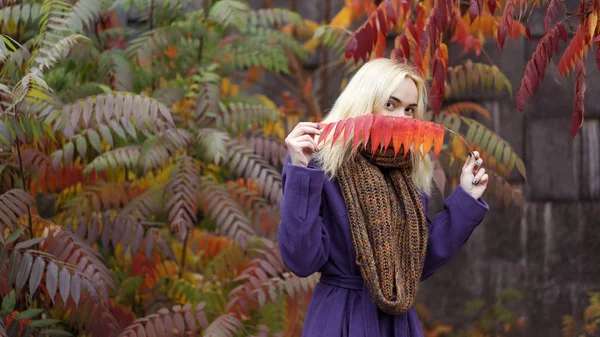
x: 403, y: 101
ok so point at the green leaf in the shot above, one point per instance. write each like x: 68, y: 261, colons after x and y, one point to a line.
x: 16, y: 129
x: 29, y: 313
x: 55, y: 332
x: 81, y: 146
x: 5, y: 134
x: 14, y: 235
x: 8, y: 303
x: 43, y: 322
x: 68, y: 153
x: 95, y: 140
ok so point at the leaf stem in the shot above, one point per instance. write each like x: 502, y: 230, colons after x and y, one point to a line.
x: 184, y: 254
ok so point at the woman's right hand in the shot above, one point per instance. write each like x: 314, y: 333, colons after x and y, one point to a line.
x: 301, y: 142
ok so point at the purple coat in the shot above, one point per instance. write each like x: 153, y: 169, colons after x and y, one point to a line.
x: 314, y: 236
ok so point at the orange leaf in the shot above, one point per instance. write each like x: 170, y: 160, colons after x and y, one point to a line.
x: 429, y: 133
x: 438, y: 140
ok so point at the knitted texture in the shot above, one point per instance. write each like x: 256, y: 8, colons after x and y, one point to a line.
x: 388, y: 225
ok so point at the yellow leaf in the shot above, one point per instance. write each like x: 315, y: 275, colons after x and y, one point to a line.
x: 267, y: 101
x: 310, y: 46
x: 343, y: 18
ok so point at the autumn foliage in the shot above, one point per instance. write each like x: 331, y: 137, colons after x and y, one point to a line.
x: 420, y: 39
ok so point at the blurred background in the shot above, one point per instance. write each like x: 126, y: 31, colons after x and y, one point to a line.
x: 142, y: 142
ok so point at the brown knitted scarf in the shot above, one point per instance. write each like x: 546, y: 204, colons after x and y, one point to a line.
x: 388, y: 226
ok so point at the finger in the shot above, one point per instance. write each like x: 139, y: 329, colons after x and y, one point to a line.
x: 478, y: 176
x: 308, y: 138
x: 484, y: 179
x: 469, y: 164
x: 476, y: 154
x: 477, y: 165
x: 306, y: 145
x: 302, y: 130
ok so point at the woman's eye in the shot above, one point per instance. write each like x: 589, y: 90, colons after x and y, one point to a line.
x: 389, y: 105
x: 409, y: 111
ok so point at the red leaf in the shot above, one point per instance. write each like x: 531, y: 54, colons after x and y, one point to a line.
x: 323, y: 137
x: 377, y: 132
x: 411, y: 127
x: 359, y: 129
x: 387, y: 131
x: 391, y: 14
x: 383, y: 26
x: 580, y: 87
x: 348, y: 129
x: 492, y: 6
x: 505, y: 25
x: 397, y: 136
x: 474, y: 10
x: 36, y: 274
x: 351, y: 48
x: 338, y: 131
x: 367, y: 128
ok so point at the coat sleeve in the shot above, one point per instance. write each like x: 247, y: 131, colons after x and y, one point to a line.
x: 451, y: 228
x: 302, y: 238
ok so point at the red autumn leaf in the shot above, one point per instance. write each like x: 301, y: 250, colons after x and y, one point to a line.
x: 398, y: 128
x: 388, y: 124
x: 384, y: 131
x: 390, y: 13
x: 377, y: 132
x: 492, y: 6
x: 338, y: 131
x: 359, y: 129
x: 409, y: 134
x: 326, y: 132
x: 348, y: 129
x: 580, y: 87
x: 505, y: 25
x: 573, y: 53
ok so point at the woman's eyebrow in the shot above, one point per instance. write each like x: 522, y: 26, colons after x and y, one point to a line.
x: 399, y: 101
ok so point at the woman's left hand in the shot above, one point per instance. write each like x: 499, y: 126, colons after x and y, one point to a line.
x: 473, y: 178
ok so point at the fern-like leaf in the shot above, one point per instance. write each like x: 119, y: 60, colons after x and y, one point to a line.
x: 536, y: 66
x: 20, y: 14
x: 68, y: 247
x: 52, y: 55
x: 156, y: 150
x: 226, y: 325
x: 212, y: 144
x: 463, y: 108
x: 153, y: 42
x: 218, y: 204
x: 123, y: 157
x: 271, y: 149
x: 468, y: 76
x: 178, y: 320
x: 575, y: 51
x: 239, y: 117
x: 496, y: 152
x: 182, y: 195
x: 84, y: 14
x: 14, y: 204
x: 246, y: 164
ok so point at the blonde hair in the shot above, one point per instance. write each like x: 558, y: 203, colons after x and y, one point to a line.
x: 368, y: 91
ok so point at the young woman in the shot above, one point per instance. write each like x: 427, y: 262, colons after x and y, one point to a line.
x: 360, y: 219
